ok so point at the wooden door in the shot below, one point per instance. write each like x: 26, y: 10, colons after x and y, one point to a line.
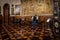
x: 6, y: 14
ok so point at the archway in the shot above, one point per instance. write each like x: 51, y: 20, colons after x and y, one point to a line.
x: 6, y: 14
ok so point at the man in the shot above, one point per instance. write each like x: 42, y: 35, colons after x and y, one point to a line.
x: 34, y: 21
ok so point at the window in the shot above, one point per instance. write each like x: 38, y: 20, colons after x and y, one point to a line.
x: 12, y: 10
x: 17, y: 9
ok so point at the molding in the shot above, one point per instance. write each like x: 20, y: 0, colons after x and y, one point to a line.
x: 33, y: 15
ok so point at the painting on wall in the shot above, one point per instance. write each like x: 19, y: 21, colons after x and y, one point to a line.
x: 17, y: 9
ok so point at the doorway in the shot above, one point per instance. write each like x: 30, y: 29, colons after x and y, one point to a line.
x: 6, y: 14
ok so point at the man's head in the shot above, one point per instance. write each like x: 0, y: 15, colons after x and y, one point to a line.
x: 56, y: 17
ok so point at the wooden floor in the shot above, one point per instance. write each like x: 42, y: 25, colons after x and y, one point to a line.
x: 15, y: 31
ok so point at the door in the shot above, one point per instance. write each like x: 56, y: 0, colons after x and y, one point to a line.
x: 6, y: 14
